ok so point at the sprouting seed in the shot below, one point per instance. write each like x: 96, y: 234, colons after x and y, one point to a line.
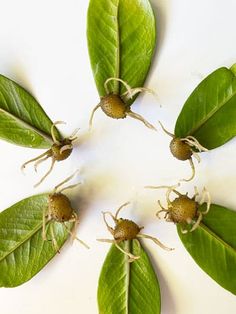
x: 60, y: 210
x: 126, y: 230
x: 116, y: 106
x: 183, y: 209
x: 184, y: 149
x: 60, y: 150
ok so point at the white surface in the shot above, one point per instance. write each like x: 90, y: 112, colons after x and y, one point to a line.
x: 43, y: 47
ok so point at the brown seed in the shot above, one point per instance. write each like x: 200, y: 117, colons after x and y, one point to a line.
x: 180, y: 149
x: 126, y: 230
x: 59, y: 207
x: 183, y: 209
x: 113, y: 106
x: 59, y: 155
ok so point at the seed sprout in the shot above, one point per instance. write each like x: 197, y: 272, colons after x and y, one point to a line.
x: 183, y: 209
x: 60, y: 150
x: 184, y: 149
x: 60, y: 210
x: 116, y: 106
x: 126, y: 230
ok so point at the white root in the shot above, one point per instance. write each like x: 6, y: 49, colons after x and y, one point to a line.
x: 74, y: 237
x: 155, y: 240
x: 196, y: 156
x: 55, y: 190
x: 73, y: 137
x: 170, y: 189
x: 161, y: 186
x: 163, y: 209
x: 66, y: 147
x: 120, y: 208
x: 38, y: 158
x: 140, y: 118
x: 92, y: 116
x: 167, y: 132
x: 128, y: 88
x: 206, y: 195
x: 192, y: 141
x: 37, y: 163
x: 194, y: 227
x: 106, y: 240
x: 184, y: 231
x: 134, y: 91
x: 53, y: 131
x: 139, y: 246
x: 193, y: 171
x: 130, y: 92
x: 110, y: 229
x: 131, y: 256
x: 54, y: 241
x: 47, y: 173
x: 196, y: 193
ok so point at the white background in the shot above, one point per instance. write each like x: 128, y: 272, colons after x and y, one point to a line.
x: 43, y: 47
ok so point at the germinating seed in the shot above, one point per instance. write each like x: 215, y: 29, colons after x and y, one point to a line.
x: 126, y: 230
x: 115, y: 106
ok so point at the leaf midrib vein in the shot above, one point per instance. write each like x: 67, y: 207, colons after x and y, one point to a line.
x: 127, y: 270
x: 27, y: 125
x: 211, y: 114
x: 117, y: 71
x: 215, y: 236
x: 30, y: 234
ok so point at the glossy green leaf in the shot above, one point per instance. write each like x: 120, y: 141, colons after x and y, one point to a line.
x: 121, y: 41
x: 23, y: 253
x: 128, y: 287
x: 209, y: 114
x: 233, y: 68
x: 213, y: 246
x: 22, y: 120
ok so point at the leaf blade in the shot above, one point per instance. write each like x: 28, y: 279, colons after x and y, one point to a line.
x: 213, y: 246
x: 23, y: 253
x: 20, y: 110
x: 209, y: 113
x: 15, y: 131
x: 125, y: 287
x: 121, y: 41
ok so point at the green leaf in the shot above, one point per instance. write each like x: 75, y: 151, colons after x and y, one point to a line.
x: 22, y: 120
x: 121, y: 41
x: 233, y: 68
x: 209, y: 114
x: 128, y: 287
x: 213, y: 245
x: 23, y: 253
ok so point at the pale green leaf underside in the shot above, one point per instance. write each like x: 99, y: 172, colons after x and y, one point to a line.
x: 209, y: 114
x: 23, y: 253
x: 128, y: 288
x: 213, y: 246
x: 121, y: 41
x: 22, y: 119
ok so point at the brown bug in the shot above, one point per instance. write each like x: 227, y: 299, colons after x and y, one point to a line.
x: 183, y: 209
x: 184, y: 149
x: 124, y: 230
x: 60, y: 210
x: 116, y: 106
x: 60, y: 150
